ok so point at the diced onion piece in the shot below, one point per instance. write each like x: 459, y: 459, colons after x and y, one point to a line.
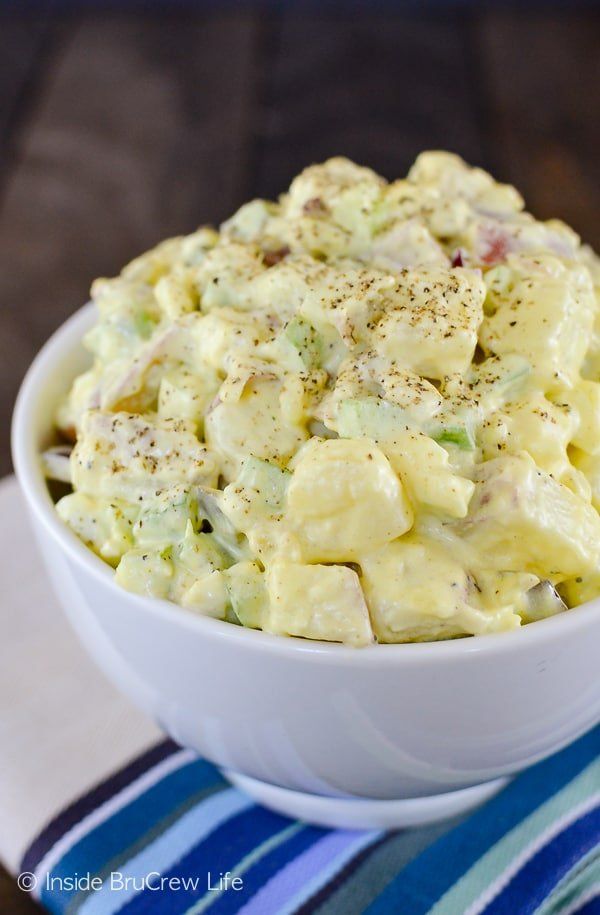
x: 56, y: 463
x: 543, y: 600
x: 223, y: 530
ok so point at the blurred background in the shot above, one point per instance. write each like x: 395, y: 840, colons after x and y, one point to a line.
x: 121, y: 127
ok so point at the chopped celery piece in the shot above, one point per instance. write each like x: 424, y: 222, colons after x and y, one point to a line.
x: 306, y: 340
x: 370, y: 417
x: 266, y: 479
x: 144, y: 325
x: 247, y: 593
x: 164, y: 519
x: 455, y: 435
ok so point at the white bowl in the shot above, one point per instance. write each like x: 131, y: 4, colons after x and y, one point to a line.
x: 381, y: 736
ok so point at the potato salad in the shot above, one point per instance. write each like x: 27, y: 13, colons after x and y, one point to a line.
x: 367, y: 412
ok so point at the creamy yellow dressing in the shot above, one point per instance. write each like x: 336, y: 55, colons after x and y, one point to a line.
x: 367, y: 411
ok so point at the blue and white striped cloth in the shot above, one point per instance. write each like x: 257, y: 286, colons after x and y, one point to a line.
x: 534, y: 848
x: 147, y: 810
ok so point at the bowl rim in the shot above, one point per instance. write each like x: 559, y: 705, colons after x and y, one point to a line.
x: 26, y: 460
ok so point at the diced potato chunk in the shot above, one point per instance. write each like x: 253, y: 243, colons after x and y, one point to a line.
x: 318, y: 602
x: 213, y: 340
x: 589, y: 466
x: 248, y: 593
x: 349, y: 301
x: 254, y: 503
x: 122, y: 455
x: 148, y: 572
x: 532, y: 424
x: 329, y: 182
x: 105, y: 527
x: 370, y: 377
x: 343, y: 499
x: 522, y: 519
x: 432, y: 321
x: 543, y: 309
x: 331, y: 208
x: 253, y: 425
x: 452, y: 178
x: 584, y: 401
x: 581, y: 589
x: 416, y: 591
x: 498, y: 589
x: 186, y: 395
x: 226, y: 275
x: 175, y: 293
x: 208, y: 596
x: 257, y: 494
x: 407, y: 244
x: 424, y: 466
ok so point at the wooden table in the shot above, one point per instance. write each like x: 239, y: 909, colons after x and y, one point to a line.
x: 120, y: 129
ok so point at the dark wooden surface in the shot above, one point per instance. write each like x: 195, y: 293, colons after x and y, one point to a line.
x: 120, y: 129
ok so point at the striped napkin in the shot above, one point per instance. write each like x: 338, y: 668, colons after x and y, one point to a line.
x: 100, y: 814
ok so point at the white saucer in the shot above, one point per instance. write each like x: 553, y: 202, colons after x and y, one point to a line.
x: 363, y: 813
